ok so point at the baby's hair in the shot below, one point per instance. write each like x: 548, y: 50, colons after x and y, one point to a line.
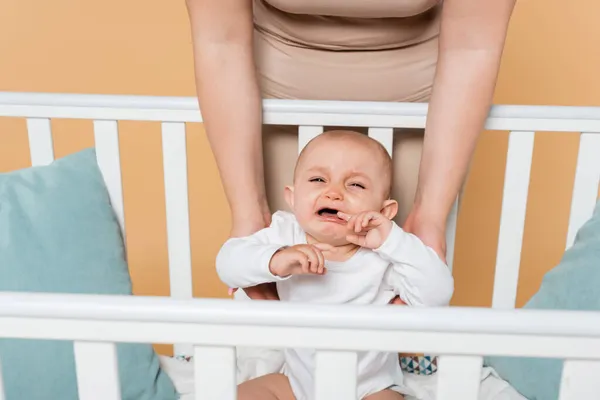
x: 378, y: 147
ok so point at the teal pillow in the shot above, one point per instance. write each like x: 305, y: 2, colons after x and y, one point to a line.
x: 571, y: 285
x: 58, y: 233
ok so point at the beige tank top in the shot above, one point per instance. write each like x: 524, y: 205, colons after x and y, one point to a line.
x: 348, y: 25
x: 314, y: 48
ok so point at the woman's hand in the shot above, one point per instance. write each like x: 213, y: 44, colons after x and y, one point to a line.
x: 245, y: 226
x: 431, y: 232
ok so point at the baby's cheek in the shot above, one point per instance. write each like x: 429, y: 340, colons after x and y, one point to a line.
x: 358, y: 204
x: 304, y: 214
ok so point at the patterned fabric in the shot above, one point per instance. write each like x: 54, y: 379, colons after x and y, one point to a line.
x: 420, y: 365
x: 183, y: 357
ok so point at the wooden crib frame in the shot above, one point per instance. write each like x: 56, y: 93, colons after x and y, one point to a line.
x: 210, y: 329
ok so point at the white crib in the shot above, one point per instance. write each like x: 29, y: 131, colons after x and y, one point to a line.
x: 210, y: 329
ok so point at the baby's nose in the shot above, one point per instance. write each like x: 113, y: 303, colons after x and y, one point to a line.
x: 333, y: 194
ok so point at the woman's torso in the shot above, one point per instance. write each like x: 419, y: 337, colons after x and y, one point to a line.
x: 348, y: 50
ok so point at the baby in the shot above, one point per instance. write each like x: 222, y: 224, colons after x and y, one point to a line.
x: 339, y: 245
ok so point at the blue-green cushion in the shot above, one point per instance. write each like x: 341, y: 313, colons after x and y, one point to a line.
x: 571, y: 285
x: 58, y: 233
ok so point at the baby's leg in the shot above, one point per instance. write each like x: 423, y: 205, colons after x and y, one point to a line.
x: 385, y: 395
x: 266, y: 387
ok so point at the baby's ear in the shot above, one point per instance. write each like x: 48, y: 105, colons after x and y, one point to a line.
x: 289, y: 196
x: 389, y: 209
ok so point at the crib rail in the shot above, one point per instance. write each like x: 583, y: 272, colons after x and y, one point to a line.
x: 290, y: 112
x: 460, y: 335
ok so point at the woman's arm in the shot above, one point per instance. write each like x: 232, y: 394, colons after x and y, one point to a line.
x: 231, y: 105
x: 472, y: 39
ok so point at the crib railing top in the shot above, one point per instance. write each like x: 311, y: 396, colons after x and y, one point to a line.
x: 289, y: 112
x: 299, y: 315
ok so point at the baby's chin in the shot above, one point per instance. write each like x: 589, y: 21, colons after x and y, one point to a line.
x: 330, y: 238
x: 330, y: 233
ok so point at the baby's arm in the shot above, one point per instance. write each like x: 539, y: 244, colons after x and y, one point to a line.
x: 244, y: 261
x: 268, y: 255
x: 416, y: 272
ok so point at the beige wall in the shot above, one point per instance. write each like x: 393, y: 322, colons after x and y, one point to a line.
x: 141, y: 47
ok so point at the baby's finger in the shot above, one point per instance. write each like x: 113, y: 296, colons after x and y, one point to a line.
x: 302, y: 262
x: 358, y: 225
x: 344, y: 216
x: 320, y: 261
x: 313, y: 259
x: 368, y: 218
x: 350, y: 223
x: 367, y: 221
x: 356, y: 239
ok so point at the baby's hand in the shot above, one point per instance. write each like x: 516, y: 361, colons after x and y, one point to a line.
x: 367, y: 229
x: 299, y: 259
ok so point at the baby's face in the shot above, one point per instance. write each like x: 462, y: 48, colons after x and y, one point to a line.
x: 334, y: 175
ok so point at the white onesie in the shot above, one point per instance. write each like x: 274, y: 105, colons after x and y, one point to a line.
x: 402, y: 266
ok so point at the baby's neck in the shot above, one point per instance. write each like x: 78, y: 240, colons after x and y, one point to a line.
x: 340, y: 253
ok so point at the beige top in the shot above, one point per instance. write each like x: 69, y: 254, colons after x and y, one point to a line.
x: 347, y: 50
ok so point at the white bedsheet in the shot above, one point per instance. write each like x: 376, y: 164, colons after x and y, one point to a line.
x: 492, y: 386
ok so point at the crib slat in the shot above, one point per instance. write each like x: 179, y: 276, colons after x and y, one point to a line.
x: 335, y: 376
x: 2, y: 395
x: 41, y: 148
x: 459, y: 377
x: 512, y: 221
x: 306, y: 134
x: 97, y: 371
x: 176, y: 192
x: 178, y: 220
x: 385, y: 136
x: 585, y: 188
x: 215, y: 373
x: 106, y: 139
x: 580, y: 380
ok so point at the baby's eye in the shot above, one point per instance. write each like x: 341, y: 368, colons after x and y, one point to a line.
x: 316, y: 180
x: 360, y: 185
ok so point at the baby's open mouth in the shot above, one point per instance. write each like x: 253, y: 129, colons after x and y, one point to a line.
x: 330, y: 214
x: 325, y: 212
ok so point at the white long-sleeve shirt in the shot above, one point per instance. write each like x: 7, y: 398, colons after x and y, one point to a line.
x: 402, y: 266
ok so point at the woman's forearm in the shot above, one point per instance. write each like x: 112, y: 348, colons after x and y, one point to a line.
x: 231, y: 109
x: 471, y: 42
x: 230, y: 101
x: 457, y: 111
